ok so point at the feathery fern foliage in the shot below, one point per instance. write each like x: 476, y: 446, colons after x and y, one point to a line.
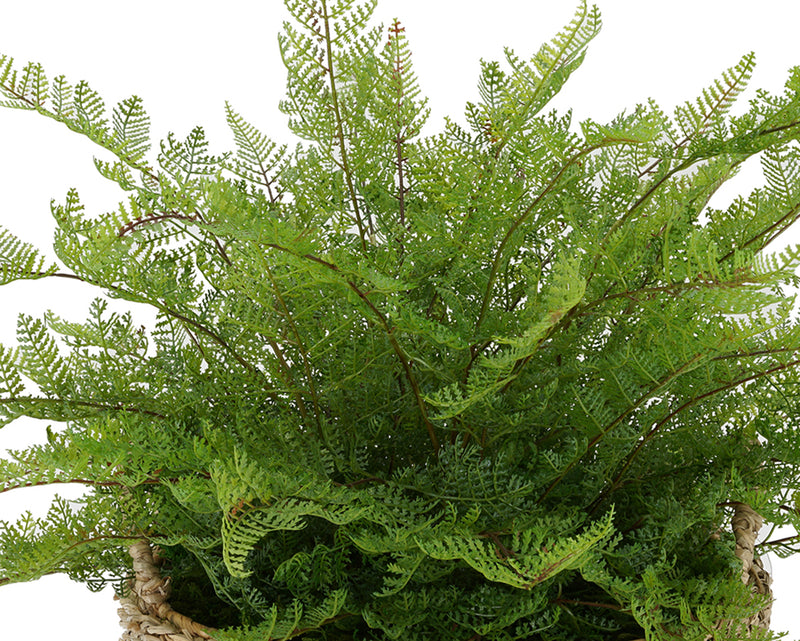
x: 501, y: 382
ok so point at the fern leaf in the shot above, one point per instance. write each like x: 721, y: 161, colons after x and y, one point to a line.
x: 33, y: 85
x: 782, y: 171
x: 492, y: 85
x: 564, y: 291
x: 401, y: 571
x: 256, y: 155
x: 27, y: 89
x: 398, y: 90
x: 297, y: 619
x: 510, y: 101
x: 20, y: 260
x: 62, y: 98
x: 11, y: 384
x: 6, y: 72
x: 241, y: 532
x: 715, y: 101
x: 187, y: 160
x: 455, y: 399
x: 116, y: 171
x: 534, y: 561
x: 90, y: 111
x: 40, y: 357
x: 131, y: 129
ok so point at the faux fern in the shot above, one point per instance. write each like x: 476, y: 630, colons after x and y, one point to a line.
x: 507, y: 381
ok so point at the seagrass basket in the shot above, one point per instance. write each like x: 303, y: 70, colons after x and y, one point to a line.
x: 746, y: 523
x: 145, y: 613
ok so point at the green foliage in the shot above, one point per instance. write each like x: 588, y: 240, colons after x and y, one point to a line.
x: 501, y: 382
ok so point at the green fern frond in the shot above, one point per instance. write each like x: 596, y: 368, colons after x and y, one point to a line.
x: 81, y: 109
x: 11, y: 384
x: 695, y: 118
x: 131, y: 126
x: 244, y: 526
x: 510, y: 101
x: 313, y: 71
x: 33, y: 85
x: 20, y: 260
x: 780, y: 166
x: 80, y: 543
x: 25, y: 89
x: 186, y: 160
x: 116, y: 171
x: 527, y: 564
x: 400, y: 573
x: 294, y: 620
x: 565, y: 290
x: 90, y: 111
x: 455, y: 399
x: 257, y: 157
x: 396, y: 104
x: 62, y: 97
x: 6, y: 72
x: 40, y: 358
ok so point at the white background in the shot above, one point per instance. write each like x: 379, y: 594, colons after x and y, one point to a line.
x: 185, y: 58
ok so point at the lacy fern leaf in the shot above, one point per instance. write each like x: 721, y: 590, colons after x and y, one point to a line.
x: 20, y: 260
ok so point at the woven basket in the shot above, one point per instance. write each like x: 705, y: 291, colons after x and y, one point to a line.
x: 146, y: 615
x: 746, y: 523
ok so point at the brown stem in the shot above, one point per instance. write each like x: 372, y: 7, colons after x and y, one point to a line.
x: 92, y: 404
x: 8, y: 488
x: 660, y: 384
x: 590, y: 604
x: 149, y: 220
x: 782, y: 541
x: 340, y: 126
x: 286, y: 313
x: 398, y: 350
x: 690, y: 403
x: 93, y: 483
x: 516, y: 225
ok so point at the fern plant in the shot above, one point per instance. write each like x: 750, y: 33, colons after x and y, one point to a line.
x: 507, y: 381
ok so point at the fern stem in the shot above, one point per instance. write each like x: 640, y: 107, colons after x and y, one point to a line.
x: 89, y: 482
x: 658, y: 426
x: 119, y: 407
x: 405, y: 364
x: 58, y: 275
x: 590, y: 604
x: 782, y: 224
x: 398, y: 350
x: 498, y: 255
x: 348, y: 174
x: 399, y: 138
x: 303, y: 353
x: 659, y: 385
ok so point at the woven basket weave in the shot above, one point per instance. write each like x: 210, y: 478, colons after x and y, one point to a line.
x: 746, y: 523
x: 146, y: 615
